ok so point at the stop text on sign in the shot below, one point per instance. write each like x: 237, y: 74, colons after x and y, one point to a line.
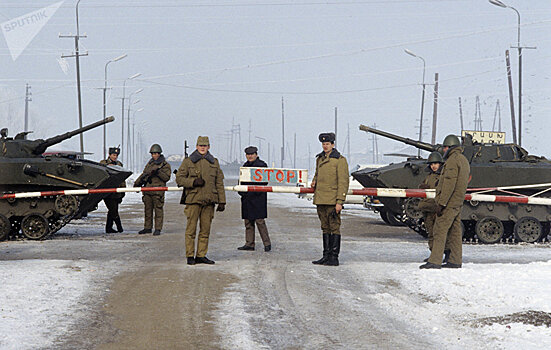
x: 277, y: 175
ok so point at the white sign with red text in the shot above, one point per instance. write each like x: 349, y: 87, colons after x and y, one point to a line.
x: 273, y: 175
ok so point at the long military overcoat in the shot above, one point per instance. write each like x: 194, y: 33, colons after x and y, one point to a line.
x: 254, y: 204
x: 332, y: 179
x: 454, y: 179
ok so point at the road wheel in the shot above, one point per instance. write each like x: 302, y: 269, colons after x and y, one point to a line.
x: 5, y: 227
x: 382, y: 212
x: 489, y: 230
x: 528, y: 229
x: 35, y: 227
x: 393, y: 220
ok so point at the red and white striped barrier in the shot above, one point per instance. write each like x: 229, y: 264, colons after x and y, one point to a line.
x: 397, y: 193
x: 375, y: 192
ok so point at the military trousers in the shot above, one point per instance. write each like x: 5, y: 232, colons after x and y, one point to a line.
x: 112, y: 205
x: 330, y: 223
x: 203, y: 213
x: 153, y: 204
x: 447, y: 231
x: 262, y: 229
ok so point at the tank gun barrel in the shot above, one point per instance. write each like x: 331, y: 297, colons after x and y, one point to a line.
x: 418, y: 144
x: 41, y: 148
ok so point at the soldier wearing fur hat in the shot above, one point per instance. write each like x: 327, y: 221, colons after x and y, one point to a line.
x: 330, y: 182
x: 113, y: 200
x: 254, y: 207
x: 155, y: 174
x: 203, y: 183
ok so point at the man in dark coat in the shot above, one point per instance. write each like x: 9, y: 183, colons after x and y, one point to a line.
x: 113, y: 200
x: 254, y: 205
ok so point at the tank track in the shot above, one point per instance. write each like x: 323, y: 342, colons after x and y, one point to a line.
x: 469, y: 229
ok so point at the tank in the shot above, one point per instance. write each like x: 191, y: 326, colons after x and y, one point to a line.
x: 24, y: 167
x: 492, y: 165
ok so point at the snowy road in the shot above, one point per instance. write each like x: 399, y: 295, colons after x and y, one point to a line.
x: 83, y: 289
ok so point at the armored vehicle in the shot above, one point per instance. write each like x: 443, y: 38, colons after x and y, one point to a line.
x: 492, y: 165
x: 25, y: 168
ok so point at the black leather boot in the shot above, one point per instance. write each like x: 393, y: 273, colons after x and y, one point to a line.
x: 109, y: 225
x: 446, y: 256
x: 118, y: 223
x: 335, y: 248
x: 325, y: 250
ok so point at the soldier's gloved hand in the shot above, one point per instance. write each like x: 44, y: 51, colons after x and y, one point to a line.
x: 221, y: 207
x: 334, y: 214
x: 439, y: 210
x: 424, y: 186
x: 198, y: 182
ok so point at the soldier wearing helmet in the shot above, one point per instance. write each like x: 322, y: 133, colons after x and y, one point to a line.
x: 450, y: 194
x: 113, y: 200
x: 428, y: 205
x: 155, y: 174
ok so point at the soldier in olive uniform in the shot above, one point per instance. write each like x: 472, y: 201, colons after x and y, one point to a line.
x: 450, y: 195
x: 113, y: 200
x: 203, y: 183
x: 428, y: 205
x: 155, y: 174
x: 330, y: 182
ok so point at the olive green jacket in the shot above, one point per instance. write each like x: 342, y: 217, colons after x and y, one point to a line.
x: 207, y: 168
x: 428, y: 204
x: 454, y: 179
x: 108, y: 161
x: 161, y: 174
x: 331, y: 179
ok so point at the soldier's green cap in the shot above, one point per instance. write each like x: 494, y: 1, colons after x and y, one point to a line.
x: 203, y: 141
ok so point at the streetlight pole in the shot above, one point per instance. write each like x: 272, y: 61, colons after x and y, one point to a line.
x: 133, y: 152
x: 122, y: 109
x: 128, y: 115
x: 104, y: 102
x: 422, y: 98
x: 519, y: 47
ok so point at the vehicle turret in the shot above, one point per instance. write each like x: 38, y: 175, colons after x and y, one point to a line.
x: 19, y: 147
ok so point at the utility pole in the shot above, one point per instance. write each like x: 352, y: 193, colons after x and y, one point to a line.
x: 435, y: 109
x: 461, y: 114
x: 76, y: 55
x: 250, y: 130
x: 295, y: 152
x: 497, y: 114
x: 348, y: 140
x: 27, y: 100
x: 511, y: 102
x: 477, y: 115
x: 335, y: 127
x: 282, y: 131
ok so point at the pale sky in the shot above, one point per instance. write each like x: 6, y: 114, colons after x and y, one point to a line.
x: 206, y: 63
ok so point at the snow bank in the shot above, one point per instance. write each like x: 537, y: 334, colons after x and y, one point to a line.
x: 450, y: 303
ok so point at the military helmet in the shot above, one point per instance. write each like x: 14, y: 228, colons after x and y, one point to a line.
x: 435, y: 157
x: 155, y: 148
x: 451, y: 140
